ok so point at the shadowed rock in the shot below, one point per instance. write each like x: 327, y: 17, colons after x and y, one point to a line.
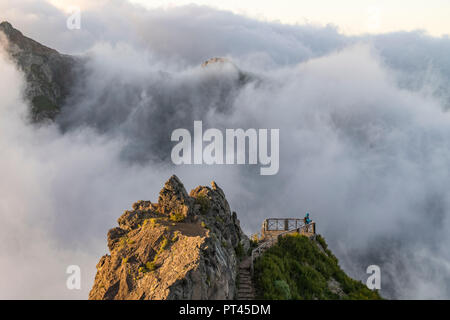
x: 174, y: 201
x: 49, y: 74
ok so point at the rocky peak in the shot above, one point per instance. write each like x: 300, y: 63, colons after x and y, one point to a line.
x: 6, y: 27
x: 156, y: 253
x: 174, y: 200
x: 48, y: 73
x: 215, y: 60
x: 19, y: 43
x: 243, y: 76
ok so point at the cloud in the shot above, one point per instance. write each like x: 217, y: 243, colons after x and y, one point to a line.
x: 363, y: 127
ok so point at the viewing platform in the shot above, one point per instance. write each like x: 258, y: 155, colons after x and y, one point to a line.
x: 274, y: 227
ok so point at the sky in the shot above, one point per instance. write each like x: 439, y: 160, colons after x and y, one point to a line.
x: 351, y: 16
x: 357, y: 149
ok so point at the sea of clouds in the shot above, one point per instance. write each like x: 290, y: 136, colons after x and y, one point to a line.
x: 364, y: 138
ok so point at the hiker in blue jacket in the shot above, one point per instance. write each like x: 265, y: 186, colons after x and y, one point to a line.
x: 307, y: 220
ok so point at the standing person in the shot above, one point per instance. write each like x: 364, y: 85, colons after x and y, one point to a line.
x: 307, y: 221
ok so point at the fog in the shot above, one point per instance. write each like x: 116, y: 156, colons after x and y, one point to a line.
x: 364, y: 139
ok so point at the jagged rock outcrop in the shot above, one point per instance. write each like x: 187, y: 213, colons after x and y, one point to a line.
x: 244, y: 77
x: 48, y: 73
x: 183, y: 247
x: 174, y: 201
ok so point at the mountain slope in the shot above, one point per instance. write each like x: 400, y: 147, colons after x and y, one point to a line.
x: 300, y: 268
x: 48, y: 73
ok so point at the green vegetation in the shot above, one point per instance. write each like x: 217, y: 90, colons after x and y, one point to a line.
x: 144, y: 269
x: 151, y: 222
x: 253, y: 245
x: 42, y: 103
x: 296, y: 268
x: 164, y: 245
x: 151, y: 265
x: 123, y: 242
x: 204, y: 203
x: 219, y: 220
x: 176, y: 236
x: 282, y: 289
x: 239, y: 251
x: 176, y: 217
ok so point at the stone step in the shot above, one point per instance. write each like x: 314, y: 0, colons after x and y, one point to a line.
x: 247, y: 284
x: 245, y: 294
x: 246, y: 291
x: 245, y: 281
x: 246, y: 297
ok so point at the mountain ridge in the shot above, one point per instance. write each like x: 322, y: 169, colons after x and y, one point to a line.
x: 49, y: 74
x: 191, y: 246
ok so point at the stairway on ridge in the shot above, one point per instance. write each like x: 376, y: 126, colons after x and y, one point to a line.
x: 246, y: 291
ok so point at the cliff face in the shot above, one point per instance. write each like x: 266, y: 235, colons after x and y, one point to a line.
x: 48, y: 73
x: 183, y: 247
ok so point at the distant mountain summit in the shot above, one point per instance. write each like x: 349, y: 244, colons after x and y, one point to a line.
x: 49, y: 74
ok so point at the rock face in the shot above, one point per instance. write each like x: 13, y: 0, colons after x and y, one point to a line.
x: 244, y: 77
x: 49, y: 74
x: 174, y: 201
x: 183, y: 247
